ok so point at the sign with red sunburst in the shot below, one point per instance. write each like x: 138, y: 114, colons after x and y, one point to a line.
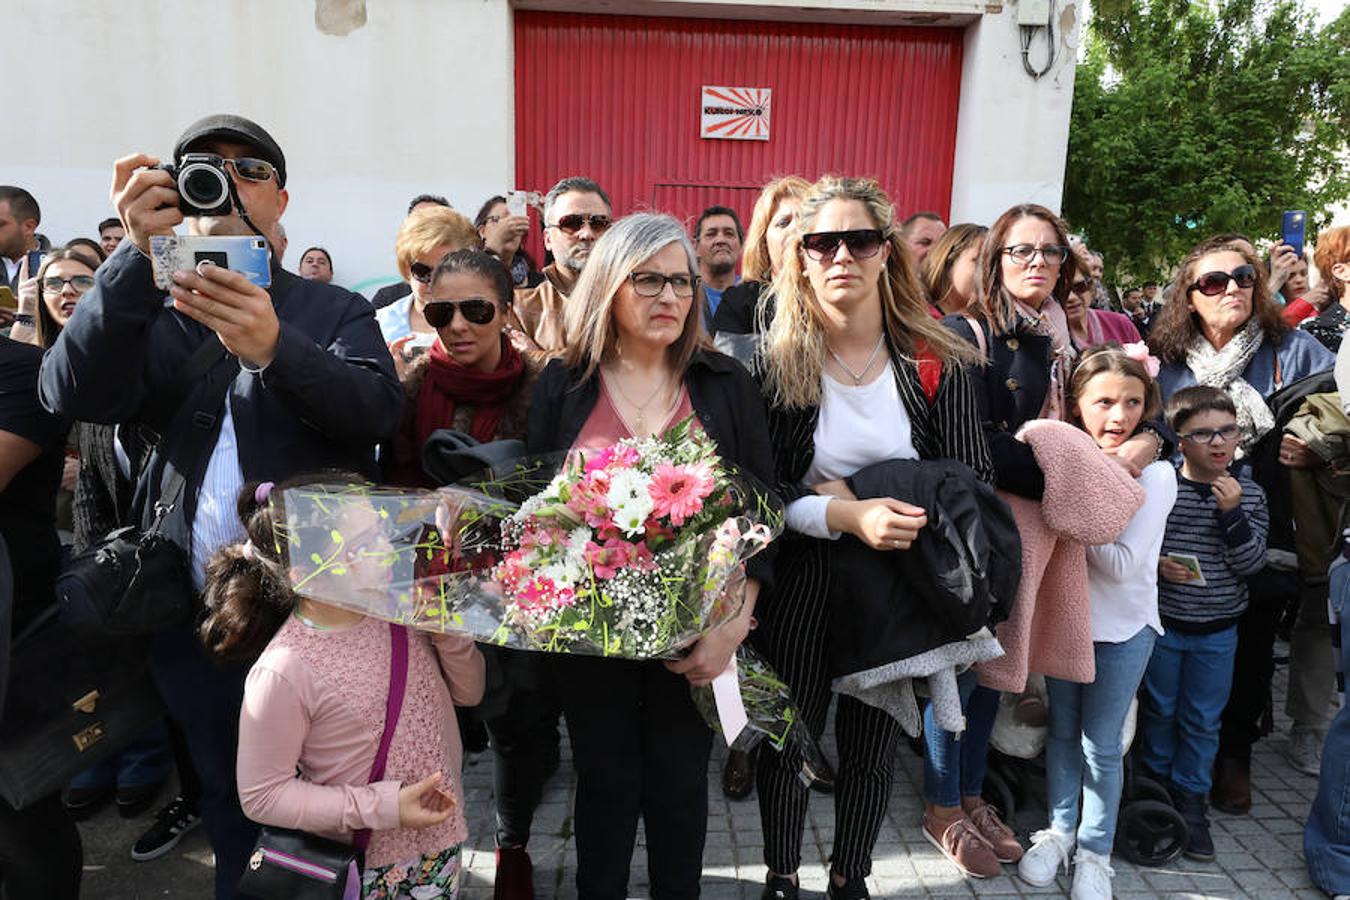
x: 735, y: 113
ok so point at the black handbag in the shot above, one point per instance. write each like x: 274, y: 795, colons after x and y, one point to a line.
x: 287, y: 864
x: 71, y: 703
x: 136, y: 582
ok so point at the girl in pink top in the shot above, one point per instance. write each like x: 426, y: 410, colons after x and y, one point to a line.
x: 314, y: 709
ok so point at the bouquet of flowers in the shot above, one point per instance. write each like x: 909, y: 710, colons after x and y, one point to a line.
x: 631, y: 551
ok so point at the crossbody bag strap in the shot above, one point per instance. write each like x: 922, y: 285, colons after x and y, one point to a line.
x: 166, y: 405
x: 393, y: 708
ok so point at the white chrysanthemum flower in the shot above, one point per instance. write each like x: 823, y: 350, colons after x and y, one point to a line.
x: 625, y: 485
x: 576, y: 546
x: 631, y: 515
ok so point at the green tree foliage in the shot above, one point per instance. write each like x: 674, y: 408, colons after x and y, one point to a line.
x: 1195, y: 118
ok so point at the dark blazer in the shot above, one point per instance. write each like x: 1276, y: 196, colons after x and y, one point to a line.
x: 390, y: 293
x: 736, y: 313
x: 723, y: 396
x: 1010, y: 391
x: 948, y: 428
x: 328, y: 396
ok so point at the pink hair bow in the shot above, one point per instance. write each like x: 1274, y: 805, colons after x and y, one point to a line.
x: 1139, y: 353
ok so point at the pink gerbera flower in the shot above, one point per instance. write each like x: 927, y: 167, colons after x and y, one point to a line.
x: 678, y: 491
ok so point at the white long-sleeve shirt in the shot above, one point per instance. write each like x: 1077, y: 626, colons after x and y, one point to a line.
x: 1123, y: 575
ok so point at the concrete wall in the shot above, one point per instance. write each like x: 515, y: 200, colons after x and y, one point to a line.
x: 418, y: 100
x: 1012, y: 133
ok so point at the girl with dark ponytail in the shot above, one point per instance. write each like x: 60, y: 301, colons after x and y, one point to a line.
x: 314, y: 704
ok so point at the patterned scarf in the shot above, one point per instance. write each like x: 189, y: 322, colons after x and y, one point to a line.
x: 1051, y: 322
x: 1223, y: 369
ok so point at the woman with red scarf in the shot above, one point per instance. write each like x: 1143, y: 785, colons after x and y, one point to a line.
x: 473, y: 380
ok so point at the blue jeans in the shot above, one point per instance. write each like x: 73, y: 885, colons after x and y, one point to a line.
x: 146, y: 760
x: 1083, y: 749
x: 954, y: 767
x: 1186, y: 688
x: 1326, y: 840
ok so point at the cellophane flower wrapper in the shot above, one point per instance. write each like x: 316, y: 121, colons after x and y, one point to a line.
x: 633, y: 551
x: 771, y: 716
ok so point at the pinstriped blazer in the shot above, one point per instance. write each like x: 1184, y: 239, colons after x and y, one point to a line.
x: 949, y: 428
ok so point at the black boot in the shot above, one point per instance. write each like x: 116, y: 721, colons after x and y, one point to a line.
x: 776, y: 887
x: 1194, y: 809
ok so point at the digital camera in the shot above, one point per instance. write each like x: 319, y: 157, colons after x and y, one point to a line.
x: 203, y: 185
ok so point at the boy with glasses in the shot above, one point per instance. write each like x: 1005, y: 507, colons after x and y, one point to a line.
x: 1215, y: 538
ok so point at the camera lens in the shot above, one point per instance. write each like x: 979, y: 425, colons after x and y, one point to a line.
x: 203, y: 186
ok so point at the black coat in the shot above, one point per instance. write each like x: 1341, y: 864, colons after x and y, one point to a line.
x: 960, y: 575
x: 1009, y: 392
x: 736, y: 313
x: 328, y: 396
x: 723, y: 396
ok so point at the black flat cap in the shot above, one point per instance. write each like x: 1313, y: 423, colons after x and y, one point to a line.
x: 227, y: 127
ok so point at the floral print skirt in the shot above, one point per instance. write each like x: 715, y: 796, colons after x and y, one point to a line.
x: 430, y: 877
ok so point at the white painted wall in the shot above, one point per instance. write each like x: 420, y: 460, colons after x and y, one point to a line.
x: 418, y: 100
x: 1012, y: 133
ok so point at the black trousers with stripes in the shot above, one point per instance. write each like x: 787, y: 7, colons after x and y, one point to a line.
x: 794, y: 635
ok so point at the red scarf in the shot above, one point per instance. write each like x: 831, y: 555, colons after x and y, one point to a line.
x: 449, y: 384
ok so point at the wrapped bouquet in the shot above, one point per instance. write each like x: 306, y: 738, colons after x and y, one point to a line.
x: 632, y: 551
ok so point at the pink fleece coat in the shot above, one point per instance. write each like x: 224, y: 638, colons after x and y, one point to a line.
x: 1089, y: 499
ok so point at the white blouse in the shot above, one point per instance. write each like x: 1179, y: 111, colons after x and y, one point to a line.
x: 858, y: 425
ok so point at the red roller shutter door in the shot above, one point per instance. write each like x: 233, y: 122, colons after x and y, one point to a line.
x: 617, y: 98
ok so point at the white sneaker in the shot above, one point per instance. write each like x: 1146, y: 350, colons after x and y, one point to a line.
x: 1092, y: 874
x: 1049, y: 852
x: 1304, y: 752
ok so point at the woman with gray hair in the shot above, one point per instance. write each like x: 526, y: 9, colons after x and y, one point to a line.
x: 638, y: 362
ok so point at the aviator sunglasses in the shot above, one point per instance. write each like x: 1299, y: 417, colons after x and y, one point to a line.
x: 573, y: 223
x: 863, y: 243
x: 475, y: 310
x: 1212, y: 284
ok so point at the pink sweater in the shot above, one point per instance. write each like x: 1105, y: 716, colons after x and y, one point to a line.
x: 315, y: 701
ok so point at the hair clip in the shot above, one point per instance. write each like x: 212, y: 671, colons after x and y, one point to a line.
x: 263, y: 491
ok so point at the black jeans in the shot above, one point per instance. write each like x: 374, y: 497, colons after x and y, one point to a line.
x: 204, y: 698
x: 1254, y: 664
x: 524, y: 741
x: 640, y: 748
x: 41, y: 857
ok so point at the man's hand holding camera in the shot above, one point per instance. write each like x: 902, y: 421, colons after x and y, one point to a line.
x: 237, y: 310
x: 240, y: 312
x: 146, y: 199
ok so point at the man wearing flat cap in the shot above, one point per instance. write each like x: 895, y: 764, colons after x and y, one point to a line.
x: 240, y: 384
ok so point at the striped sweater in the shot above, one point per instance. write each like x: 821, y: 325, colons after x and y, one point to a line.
x: 1230, y: 546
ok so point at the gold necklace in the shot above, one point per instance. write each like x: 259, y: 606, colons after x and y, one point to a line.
x: 641, y: 408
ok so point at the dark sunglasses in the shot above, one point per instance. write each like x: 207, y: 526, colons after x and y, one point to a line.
x: 573, y: 223
x: 251, y: 168
x: 56, y: 284
x: 1214, y: 283
x: 475, y: 310
x: 421, y: 271
x: 1080, y: 287
x: 864, y: 243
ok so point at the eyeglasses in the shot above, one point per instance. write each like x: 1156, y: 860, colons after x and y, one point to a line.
x: 651, y: 284
x: 571, y: 224
x: 56, y: 284
x: 1051, y: 254
x: 248, y: 167
x: 1211, y: 436
x: 1080, y: 287
x: 1214, y: 283
x: 493, y: 220
x: 476, y: 310
x: 421, y: 271
x: 863, y: 243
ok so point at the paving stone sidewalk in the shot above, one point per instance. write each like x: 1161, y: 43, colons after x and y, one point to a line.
x: 1259, y: 855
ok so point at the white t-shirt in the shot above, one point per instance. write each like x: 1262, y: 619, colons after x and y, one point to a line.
x: 1123, y: 575
x: 858, y: 425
